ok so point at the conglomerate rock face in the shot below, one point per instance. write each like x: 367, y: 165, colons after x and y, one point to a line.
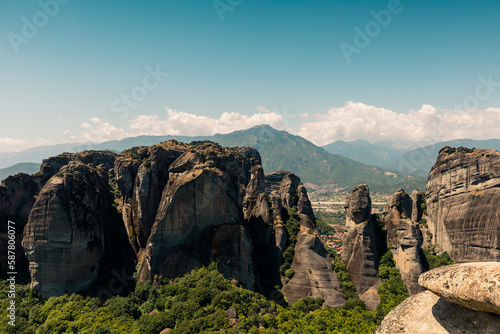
x: 404, y: 238
x: 141, y: 174
x: 463, y: 192
x: 17, y: 196
x: 314, y: 275
x: 361, y: 246
x: 19, y: 193
x: 200, y: 218
x: 64, y: 238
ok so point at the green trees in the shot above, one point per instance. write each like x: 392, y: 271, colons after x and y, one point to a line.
x: 292, y: 227
x: 432, y: 260
x: 199, y: 302
x: 392, y: 291
x: 352, y: 300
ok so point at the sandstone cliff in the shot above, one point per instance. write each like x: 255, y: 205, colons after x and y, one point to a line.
x: 17, y: 196
x: 141, y: 173
x: 463, y: 192
x: 313, y: 271
x: 404, y: 237
x: 64, y: 239
x: 362, y: 246
x: 19, y: 192
x: 200, y: 218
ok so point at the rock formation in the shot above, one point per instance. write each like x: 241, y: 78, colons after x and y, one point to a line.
x: 170, y: 207
x: 463, y: 298
x: 19, y: 192
x: 463, y: 192
x: 361, y: 248
x: 426, y: 313
x: 417, y: 199
x: 472, y: 285
x: 200, y: 218
x: 404, y: 237
x: 17, y: 196
x: 141, y: 173
x: 314, y: 275
x: 64, y: 239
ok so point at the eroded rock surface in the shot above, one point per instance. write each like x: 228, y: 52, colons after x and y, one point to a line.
x: 314, y: 275
x: 141, y: 173
x: 427, y: 313
x: 472, y: 285
x: 463, y: 192
x: 63, y: 238
x: 199, y: 206
x: 404, y: 238
x: 361, y: 244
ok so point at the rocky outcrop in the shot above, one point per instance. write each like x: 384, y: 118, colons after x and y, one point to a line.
x: 17, y: 196
x: 64, y: 239
x: 314, y: 275
x: 404, y: 238
x: 288, y: 190
x: 417, y: 199
x: 273, y: 180
x: 261, y: 224
x: 426, y: 313
x: 51, y: 166
x: 141, y: 174
x: 472, y: 285
x: 463, y: 192
x: 361, y: 244
x: 171, y: 207
x: 200, y: 218
x: 19, y: 192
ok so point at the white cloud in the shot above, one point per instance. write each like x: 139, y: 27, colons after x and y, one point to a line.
x: 15, y: 145
x: 352, y: 121
x: 97, y: 132
x: 181, y: 123
x: 360, y: 121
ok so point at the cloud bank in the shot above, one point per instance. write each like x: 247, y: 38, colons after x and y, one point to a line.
x: 176, y: 123
x: 356, y: 120
x: 352, y: 121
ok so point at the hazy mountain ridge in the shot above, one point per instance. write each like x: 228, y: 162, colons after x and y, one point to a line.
x: 24, y: 167
x: 279, y: 150
x: 404, y: 157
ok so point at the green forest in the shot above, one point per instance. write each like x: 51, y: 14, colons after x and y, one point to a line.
x: 202, y: 301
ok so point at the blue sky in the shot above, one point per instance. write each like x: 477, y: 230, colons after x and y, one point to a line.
x: 430, y: 72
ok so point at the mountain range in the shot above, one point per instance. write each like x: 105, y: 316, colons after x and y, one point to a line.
x: 279, y: 150
x: 339, y: 166
x: 405, y: 157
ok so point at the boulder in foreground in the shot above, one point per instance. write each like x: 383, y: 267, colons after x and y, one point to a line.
x: 472, y: 285
x: 427, y: 313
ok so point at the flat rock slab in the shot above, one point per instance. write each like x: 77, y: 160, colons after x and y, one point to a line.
x: 427, y: 313
x: 472, y: 285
